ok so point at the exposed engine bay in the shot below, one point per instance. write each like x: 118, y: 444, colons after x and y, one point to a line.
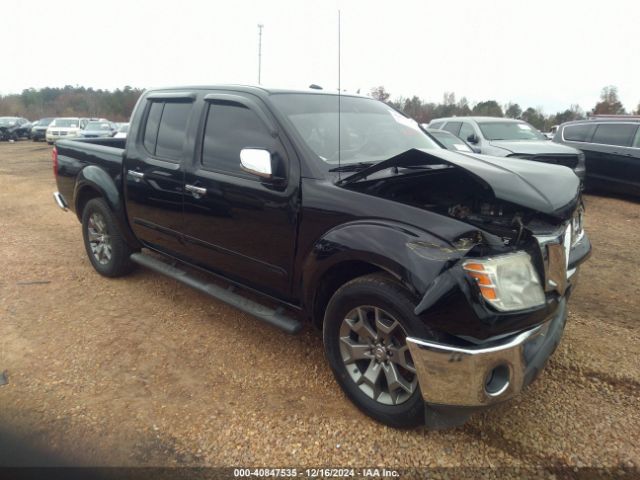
x: 456, y: 193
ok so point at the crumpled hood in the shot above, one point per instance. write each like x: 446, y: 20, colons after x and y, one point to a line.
x: 549, y: 189
x: 534, y: 147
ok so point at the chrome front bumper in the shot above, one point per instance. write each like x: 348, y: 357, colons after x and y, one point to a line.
x: 481, y: 376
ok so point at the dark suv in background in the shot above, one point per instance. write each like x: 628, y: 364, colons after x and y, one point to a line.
x: 612, y: 150
x: 507, y: 137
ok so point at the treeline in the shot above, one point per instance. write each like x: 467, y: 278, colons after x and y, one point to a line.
x: 71, y: 101
x: 424, y: 112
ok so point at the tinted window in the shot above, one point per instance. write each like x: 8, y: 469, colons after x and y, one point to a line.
x: 453, y: 127
x: 171, y: 133
x: 151, y: 129
x: 465, y: 131
x: 230, y: 128
x: 451, y: 142
x: 436, y: 125
x: 636, y: 141
x: 509, y: 131
x: 614, y: 134
x: 370, y: 131
x: 578, y: 133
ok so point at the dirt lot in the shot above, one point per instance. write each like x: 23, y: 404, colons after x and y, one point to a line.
x: 144, y: 371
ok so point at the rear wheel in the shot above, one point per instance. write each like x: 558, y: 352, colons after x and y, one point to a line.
x: 107, y: 250
x: 365, y: 329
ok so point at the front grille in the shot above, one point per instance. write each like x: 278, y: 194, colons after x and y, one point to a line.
x: 570, y: 160
x: 555, y: 250
x: 55, y: 132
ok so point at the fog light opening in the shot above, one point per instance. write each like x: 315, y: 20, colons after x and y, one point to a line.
x: 497, y: 381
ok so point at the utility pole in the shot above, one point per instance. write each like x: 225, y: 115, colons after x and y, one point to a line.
x: 259, y: 51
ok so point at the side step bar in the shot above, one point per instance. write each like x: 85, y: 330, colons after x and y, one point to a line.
x: 275, y: 317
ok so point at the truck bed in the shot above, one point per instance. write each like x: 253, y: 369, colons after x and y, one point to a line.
x: 74, y: 155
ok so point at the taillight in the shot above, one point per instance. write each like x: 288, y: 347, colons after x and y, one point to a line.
x: 54, y: 157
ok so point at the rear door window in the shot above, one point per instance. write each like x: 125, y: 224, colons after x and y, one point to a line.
x: 172, y: 130
x: 578, y: 133
x: 165, y: 129
x: 151, y: 128
x: 453, y: 127
x: 619, y: 134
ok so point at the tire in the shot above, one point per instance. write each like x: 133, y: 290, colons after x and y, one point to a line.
x: 363, y: 299
x: 107, y: 250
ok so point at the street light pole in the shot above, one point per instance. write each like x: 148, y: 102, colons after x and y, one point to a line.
x: 259, y: 51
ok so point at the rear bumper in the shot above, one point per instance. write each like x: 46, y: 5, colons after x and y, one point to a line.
x: 60, y: 201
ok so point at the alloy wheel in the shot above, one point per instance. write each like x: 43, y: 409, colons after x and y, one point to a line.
x: 373, y: 346
x: 99, y: 238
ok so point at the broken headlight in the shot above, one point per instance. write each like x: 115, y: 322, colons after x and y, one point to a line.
x: 507, y: 282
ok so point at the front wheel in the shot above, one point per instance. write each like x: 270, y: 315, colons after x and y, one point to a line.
x: 107, y: 250
x: 365, y: 329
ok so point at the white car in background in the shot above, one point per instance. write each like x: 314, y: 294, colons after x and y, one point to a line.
x: 123, y: 129
x: 65, y: 127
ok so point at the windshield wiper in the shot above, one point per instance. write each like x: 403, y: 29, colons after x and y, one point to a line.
x: 352, y: 167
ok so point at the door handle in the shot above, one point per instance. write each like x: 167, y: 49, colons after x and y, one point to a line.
x: 135, y: 173
x: 197, y: 192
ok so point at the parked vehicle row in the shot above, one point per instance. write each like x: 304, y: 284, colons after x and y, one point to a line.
x: 603, y: 151
x: 39, y: 129
x: 51, y: 129
x: 506, y: 137
x: 439, y: 279
x: 13, y: 128
x: 612, y: 151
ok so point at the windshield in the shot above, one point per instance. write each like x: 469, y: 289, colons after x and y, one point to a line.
x: 370, y: 131
x: 65, y: 122
x: 450, y: 141
x: 124, y: 128
x: 97, y: 126
x: 509, y: 131
x: 8, y: 121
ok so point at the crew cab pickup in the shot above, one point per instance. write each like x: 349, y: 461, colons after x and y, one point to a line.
x: 439, y: 279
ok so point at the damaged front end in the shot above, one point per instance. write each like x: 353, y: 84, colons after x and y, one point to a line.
x: 513, y: 206
x: 497, y: 308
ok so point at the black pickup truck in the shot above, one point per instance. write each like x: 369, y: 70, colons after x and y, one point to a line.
x: 439, y: 279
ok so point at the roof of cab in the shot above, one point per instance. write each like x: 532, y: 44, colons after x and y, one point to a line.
x: 478, y: 119
x: 254, y: 89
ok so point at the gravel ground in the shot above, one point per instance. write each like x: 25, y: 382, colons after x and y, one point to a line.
x: 144, y: 371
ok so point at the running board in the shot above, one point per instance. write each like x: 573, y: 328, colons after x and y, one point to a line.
x: 275, y: 317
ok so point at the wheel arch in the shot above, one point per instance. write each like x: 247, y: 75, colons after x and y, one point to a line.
x: 94, y: 182
x: 363, y: 247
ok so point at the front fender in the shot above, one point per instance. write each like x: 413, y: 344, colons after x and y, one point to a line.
x: 98, y: 180
x: 411, y: 255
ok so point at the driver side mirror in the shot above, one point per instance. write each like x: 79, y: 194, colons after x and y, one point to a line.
x: 472, y: 138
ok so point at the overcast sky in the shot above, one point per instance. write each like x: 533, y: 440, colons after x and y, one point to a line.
x: 543, y: 53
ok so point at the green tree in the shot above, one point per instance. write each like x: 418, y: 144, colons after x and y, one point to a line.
x: 379, y: 93
x: 609, y: 103
x: 535, y: 117
x: 513, y: 110
x: 489, y: 108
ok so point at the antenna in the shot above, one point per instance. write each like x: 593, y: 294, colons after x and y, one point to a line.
x: 259, y: 51
x: 339, y: 100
